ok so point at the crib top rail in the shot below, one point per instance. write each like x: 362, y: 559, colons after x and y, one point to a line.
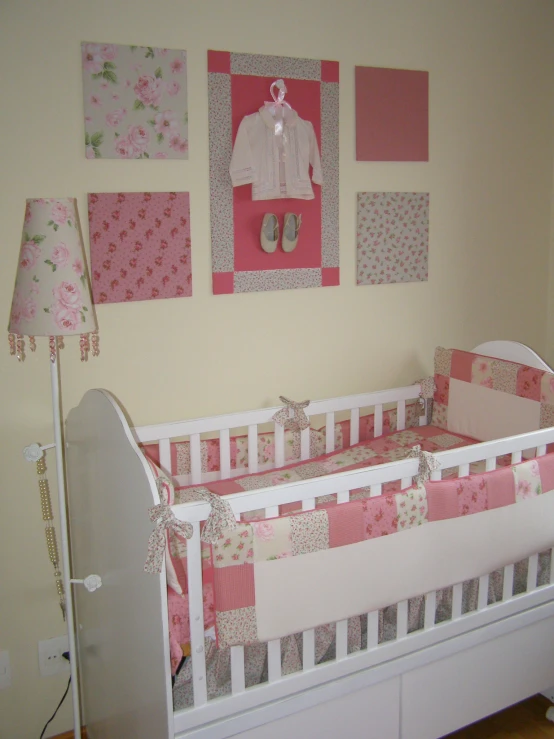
x: 404, y: 469
x: 155, y: 432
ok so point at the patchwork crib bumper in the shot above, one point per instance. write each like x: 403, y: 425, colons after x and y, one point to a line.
x: 284, y: 575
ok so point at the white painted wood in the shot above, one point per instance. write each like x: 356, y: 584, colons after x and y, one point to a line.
x: 508, y: 582
x: 483, y: 597
x: 305, y: 444
x: 308, y: 649
x: 430, y: 610
x: 516, y: 457
x: 457, y: 595
x: 195, y: 460
x: 378, y: 420
x: 329, y: 433
x: 354, y: 426
x: 372, y: 713
x: 458, y: 690
x: 401, y: 415
x: 237, y: 670
x: 196, y: 615
x: 490, y: 464
x: 165, y: 455
x: 308, y: 504
x: 402, y: 619
x: 513, y: 351
x: 343, y: 497
x: 463, y: 470
x: 541, y: 450
x: 225, y: 453
x: 532, y: 571
x: 279, y: 445
x: 253, y: 448
x: 106, y: 471
x: 342, y: 638
x: 375, y: 490
x: 274, y: 660
x: 372, y: 629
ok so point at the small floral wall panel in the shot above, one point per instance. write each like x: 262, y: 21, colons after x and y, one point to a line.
x: 238, y: 85
x: 139, y: 246
x: 135, y: 102
x: 392, y: 237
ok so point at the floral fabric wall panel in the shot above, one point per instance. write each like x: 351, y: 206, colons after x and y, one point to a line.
x: 139, y: 246
x: 135, y: 102
x: 392, y: 237
x: 238, y: 85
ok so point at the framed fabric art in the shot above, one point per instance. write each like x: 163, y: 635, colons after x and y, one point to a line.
x: 392, y: 237
x: 139, y: 246
x: 239, y: 88
x: 135, y: 102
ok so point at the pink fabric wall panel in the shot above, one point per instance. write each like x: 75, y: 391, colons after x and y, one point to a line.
x: 392, y: 115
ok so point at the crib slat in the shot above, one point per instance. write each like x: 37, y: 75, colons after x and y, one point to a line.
x: 402, y: 619
x: 237, y: 670
x: 457, y: 593
x: 196, y: 617
x: 308, y: 649
x: 401, y: 415
x: 253, y: 447
x: 305, y: 444
x: 483, y: 597
x: 279, y: 445
x: 463, y: 470
x: 164, y: 446
x: 225, y: 453
x: 308, y: 504
x: 343, y: 497
x: 532, y: 572
x: 329, y: 433
x: 378, y: 421
x: 430, y: 609
x: 375, y: 490
x: 195, y: 460
x: 436, y: 475
x: 508, y: 584
x: 516, y: 457
x: 274, y: 660
x: 541, y: 450
x: 342, y: 638
x: 354, y: 426
x: 272, y: 511
x: 490, y: 464
x: 372, y: 629
x: 406, y: 482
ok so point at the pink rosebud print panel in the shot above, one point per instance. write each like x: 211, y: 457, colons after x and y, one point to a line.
x: 135, y: 102
x: 140, y: 246
x: 392, y: 237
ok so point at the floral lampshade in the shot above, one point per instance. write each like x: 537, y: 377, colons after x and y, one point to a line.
x: 52, y: 290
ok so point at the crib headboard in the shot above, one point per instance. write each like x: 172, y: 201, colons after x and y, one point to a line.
x: 512, y: 351
x: 109, y: 529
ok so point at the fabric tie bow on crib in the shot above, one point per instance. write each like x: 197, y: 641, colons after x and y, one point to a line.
x: 298, y: 421
x: 427, y: 463
x: 221, y: 517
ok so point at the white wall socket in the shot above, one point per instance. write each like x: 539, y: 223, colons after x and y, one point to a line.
x: 50, y: 659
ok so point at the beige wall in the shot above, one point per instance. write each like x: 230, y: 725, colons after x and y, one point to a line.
x: 490, y: 179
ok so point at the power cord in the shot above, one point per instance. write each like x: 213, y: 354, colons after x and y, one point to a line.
x: 65, y: 655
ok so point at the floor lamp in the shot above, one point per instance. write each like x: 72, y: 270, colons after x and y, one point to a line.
x: 52, y: 298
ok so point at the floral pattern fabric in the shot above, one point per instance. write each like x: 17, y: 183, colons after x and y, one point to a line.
x: 135, y: 102
x: 140, y: 246
x: 392, y: 237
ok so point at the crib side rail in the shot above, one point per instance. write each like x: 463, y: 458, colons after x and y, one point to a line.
x: 155, y: 432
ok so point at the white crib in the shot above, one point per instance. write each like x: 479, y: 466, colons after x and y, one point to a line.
x: 420, y: 685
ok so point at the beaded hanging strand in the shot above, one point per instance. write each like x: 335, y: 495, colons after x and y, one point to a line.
x: 50, y: 531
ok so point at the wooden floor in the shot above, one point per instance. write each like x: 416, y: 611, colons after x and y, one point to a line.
x: 523, y: 721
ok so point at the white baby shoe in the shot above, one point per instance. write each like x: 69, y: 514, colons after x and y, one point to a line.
x: 291, y: 228
x: 269, y: 235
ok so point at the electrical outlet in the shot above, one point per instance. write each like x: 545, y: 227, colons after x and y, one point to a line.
x: 50, y: 656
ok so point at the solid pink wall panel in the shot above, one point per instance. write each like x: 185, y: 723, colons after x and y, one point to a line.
x: 392, y: 115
